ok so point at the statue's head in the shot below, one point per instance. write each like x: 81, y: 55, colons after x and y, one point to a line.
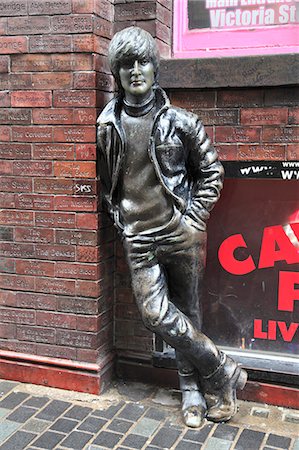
x: 128, y: 46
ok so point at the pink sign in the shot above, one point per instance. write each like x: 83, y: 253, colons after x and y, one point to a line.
x: 216, y: 28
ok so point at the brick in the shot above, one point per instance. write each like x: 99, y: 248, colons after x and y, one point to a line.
x: 32, y: 134
x: 102, y: 27
x: 7, y: 265
x: 218, y: 116
x: 56, y: 351
x: 5, y: 133
x: 13, y: 8
x: 76, y: 339
x: 74, y: 98
x: 101, y: 64
x: 87, y: 254
x: 227, y: 152
x: 293, y: 116
x: 20, y: 81
x: 84, y: 116
x: 55, y: 320
x: 164, y: 15
x: 83, y: 43
x: 16, y: 250
x: 14, y: 184
x: 83, y: 6
x: 31, y: 99
x: 55, y: 220
x: 88, y: 323
x: 84, y: 80
x: 13, y: 116
x: 17, y: 316
x: 55, y: 286
x: 76, y: 237
x: 280, y: 96
x: 36, y: 334
x: 9, y: 45
x: 237, y: 134
x: 18, y: 282
x: 281, y: 134
x: 87, y: 221
x: 163, y: 32
x: 53, y: 186
x: 4, y: 83
x: 16, y: 218
x: 37, y: 268
x: 50, y: 44
x: 39, y: 235
x: 77, y: 271
x: 72, y: 62
x: 72, y: 23
x: 31, y: 63
x: 86, y: 152
x: 77, y: 305
x: 34, y: 300
x: 101, y: 45
x: 29, y: 25
x: 5, y: 99
x: 47, y: 63
x: 105, y: 82
x: 52, y: 116
x: 74, y: 169
x: 240, y: 97
x: 53, y: 7
x: 261, y: 152
x: 4, y: 63
x: 6, y: 167
x: 264, y: 116
x: 88, y: 288
x: 33, y: 168
x: 135, y: 11
x: 65, y: 203
x: 52, y: 80
x: 8, y: 331
x: 3, y: 26
x: 53, y: 151
x: 292, y: 152
x: 7, y: 200
x: 164, y: 49
x: 75, y: 134
x: 105, y: 10
x: 55, y: 252
x: 19, y: 347
x: 6, y: 234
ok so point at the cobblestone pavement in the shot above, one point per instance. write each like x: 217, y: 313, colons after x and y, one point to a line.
x: 132, y: 416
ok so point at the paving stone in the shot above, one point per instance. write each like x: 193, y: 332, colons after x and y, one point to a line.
x: 292, y: 418
x: 21, y: 414
x: 48, y: 440
x: 18, y: 441
x: 226, y: 432
x: 107, y: 439
x: 199, y: 435
x: 146, y: 427
x: 77, y: 412
x: 53, y: 410
x: 6, y: 386
x: 134, y: 441
x: 7, y: 428
x: 155, y: 413
x: 36, y: 425
x: 296, y: 444
x: 166, y: 437
x: 219, y: 444
x: 120, y: 426
x: 109, y: 412
x: 187, y: 445
x: 132, y: 411
x: 249, y: 439
x: 36, y: 402
x: 64, y: 425
x: 92, y: 424
x: 278, y: 441
x: 12, y: 400
x: 260, y: 412
x: 4, y: 412
x: 76, y: 440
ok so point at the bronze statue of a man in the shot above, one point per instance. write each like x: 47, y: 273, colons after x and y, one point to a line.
x: 160, y: 178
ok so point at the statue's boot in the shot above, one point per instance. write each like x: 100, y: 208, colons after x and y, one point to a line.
x: 220, y: 389
x: 194, y: 406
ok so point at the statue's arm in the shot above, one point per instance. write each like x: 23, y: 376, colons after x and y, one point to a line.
x: 102, y: 165
x: 206, y: 171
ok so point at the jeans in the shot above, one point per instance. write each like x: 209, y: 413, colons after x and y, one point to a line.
x: 167, y: 267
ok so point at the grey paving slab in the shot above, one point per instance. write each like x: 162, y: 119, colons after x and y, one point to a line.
x: 134, y: 441
x: 132, y: 411
x: 53, y: 410
x: 18, y: 441
x: 6, y: 386
x: 224, y: 431
x: 36, y: 425
x: 7, y: 428
x: 120, y: 425
x: 109, y: 412
x: 155, y: 413
x: 281, y: 442
x: 76, y: 440
x: 36, y: 402
x: 107, y: 439
x: 187, y: 445
x: 296, y: 444
x: 78, y: 412
x: 214, y: 443
x: 64, y: 425
x: 4, y: 412
x: 12, y: 400
x: 48, y: 440
x: 250, y: 439
x: 165, y: 437
x: 92, y: 424
x: 21, y: 414
x: 199, y: 435
x: 146, y: 427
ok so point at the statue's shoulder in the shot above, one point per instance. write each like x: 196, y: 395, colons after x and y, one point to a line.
x: 182, y: 118
x: 108, y: 113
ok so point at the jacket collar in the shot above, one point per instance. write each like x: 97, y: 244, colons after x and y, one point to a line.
x: 111, y: 112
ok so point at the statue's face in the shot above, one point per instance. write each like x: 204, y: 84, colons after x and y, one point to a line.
x: 137, y: 78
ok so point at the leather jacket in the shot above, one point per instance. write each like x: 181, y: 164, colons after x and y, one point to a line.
x: 185, y: 162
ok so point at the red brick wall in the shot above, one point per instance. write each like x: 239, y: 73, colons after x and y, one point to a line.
x: 56, y: 250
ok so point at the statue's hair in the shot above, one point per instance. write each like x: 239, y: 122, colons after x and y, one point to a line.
x: 129, y: 44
